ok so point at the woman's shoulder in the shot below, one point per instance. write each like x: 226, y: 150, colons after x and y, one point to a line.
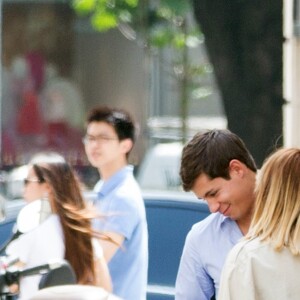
x: 52, y: 220
x: 50, y: 226
x: 246, y: 249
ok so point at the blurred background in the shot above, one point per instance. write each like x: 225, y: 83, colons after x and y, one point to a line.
x: 178, y: 66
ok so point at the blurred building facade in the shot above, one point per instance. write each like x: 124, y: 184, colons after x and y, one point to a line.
x: 55, y: 67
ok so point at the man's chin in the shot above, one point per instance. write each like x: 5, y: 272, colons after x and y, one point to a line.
x: 94, y: 163
x: 97, y: 164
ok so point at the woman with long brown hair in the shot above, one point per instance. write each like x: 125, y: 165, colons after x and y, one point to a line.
x: 67, y: 233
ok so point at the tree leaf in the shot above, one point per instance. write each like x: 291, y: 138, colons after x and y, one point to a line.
x: 179, y: 7
x: 132, y: 3
x: 84, y: 6
x: 103, y: 21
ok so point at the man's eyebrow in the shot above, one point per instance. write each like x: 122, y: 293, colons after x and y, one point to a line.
x: 208, y: 193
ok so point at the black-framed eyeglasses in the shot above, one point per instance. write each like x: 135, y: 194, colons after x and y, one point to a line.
x: 98, y: 139
x: 28, y: 180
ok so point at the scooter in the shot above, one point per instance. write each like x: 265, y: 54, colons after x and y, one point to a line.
x: 58, y: 279
x: 58, y: 282
x: 53, y: 274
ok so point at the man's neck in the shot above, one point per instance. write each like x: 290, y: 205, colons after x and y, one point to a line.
x: 244, y: 223
x: 109, y: 170
x: 244, y: 226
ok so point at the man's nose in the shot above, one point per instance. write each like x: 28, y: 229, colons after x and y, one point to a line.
x: 213, y: 205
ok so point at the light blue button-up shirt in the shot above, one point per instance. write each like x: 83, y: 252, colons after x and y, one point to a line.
x: 120, y: 199
x: 204, y: 254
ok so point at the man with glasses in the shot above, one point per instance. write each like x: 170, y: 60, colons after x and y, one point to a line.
x: 109, y: 138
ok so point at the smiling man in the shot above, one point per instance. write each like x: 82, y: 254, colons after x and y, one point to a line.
x: 109, y: 139
x: 219, y: 169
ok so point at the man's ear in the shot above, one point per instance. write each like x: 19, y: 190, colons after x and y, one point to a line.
x: 236, y: 168
x: 127, y: 145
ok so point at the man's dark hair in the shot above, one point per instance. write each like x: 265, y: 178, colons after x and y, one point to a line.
x: 210, y: 153
x: 120, y: 119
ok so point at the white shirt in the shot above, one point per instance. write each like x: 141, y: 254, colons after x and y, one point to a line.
x: 37, y: 247
x: 44, y: 244
x: 255, y: 271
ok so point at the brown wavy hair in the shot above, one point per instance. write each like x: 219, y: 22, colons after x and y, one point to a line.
x: 210, y: 153
x: 75, y: 216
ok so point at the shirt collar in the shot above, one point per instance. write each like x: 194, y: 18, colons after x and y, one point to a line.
x: 230, y: 227
x: 105, y: 187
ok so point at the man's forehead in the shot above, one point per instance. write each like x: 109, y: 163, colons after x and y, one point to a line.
x: 202, y: 185
x: 100, y: 127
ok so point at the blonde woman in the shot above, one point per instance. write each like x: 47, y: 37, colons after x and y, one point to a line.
x: 266, y: 264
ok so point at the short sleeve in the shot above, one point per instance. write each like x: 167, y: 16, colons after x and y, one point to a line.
x: 98, y: 251
x: 121, y: 214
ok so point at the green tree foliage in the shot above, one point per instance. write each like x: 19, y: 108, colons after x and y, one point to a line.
x: 162, y: 21
x: 157, y: 24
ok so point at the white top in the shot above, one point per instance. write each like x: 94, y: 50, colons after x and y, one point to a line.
x: 37, y: 247
x: 255, y: 271
x: 42, y: 245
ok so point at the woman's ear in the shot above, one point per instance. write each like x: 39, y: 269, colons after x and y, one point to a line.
x: 48, y: 194
x: 46, y: 190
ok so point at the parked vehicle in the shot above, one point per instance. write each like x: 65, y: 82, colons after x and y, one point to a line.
x: 11, y: 202
x: 11, y: 208
x: 53, y: 274
x: 159, y: 169
x: 170, y: 216
x: 58, y: 282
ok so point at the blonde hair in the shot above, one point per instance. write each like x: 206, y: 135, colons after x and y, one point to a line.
x: 277, y: 211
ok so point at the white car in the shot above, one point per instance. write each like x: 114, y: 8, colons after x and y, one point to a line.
x: 160, y: 168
